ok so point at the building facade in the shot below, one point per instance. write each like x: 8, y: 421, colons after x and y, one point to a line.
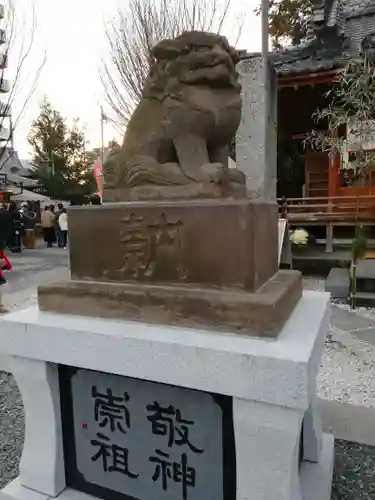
x: 13, y: 176
x: 340, y: 30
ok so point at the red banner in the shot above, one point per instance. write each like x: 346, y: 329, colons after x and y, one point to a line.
x: 98, y: 173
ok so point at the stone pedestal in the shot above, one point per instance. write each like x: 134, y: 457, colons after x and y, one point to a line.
x: 279, y: 450
x: 198, y: 263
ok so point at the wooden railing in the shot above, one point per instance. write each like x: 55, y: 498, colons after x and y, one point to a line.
x: 344, y: 210
x: 328, y: 211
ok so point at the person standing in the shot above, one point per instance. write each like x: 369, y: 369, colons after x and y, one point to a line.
x: 63, y: 226
x: 53, y: 210
x: 59, y: 236
x: 17, y: 228
x: 28, y: 217
x: 48, y: 226
x: 5, y: 264
x: 95, y: 200
x: 5, y: 228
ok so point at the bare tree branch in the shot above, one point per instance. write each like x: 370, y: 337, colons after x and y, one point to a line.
x: 133, y: 32
x: 20, y: 29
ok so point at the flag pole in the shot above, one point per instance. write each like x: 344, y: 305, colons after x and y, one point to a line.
x: 265, y: 29
x: 102, y: 135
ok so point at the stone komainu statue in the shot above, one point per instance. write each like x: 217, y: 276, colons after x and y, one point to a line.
x: 176, y: 142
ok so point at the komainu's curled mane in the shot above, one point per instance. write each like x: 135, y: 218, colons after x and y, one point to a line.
x: 176, y: 143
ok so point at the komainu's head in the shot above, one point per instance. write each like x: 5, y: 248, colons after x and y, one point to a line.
x: 193, y: 58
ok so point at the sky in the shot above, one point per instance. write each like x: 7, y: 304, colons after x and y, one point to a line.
x: 71, y: 34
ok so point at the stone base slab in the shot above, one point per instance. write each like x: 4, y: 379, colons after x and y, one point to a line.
x: 276, y: 373
x: 262, y: 313
x: 315, y: 481
x: 348, y: 421
x: 186, y: 192
x: 316, y: 478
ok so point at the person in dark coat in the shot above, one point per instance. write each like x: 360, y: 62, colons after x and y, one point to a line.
x: 5, y: 228
x: 58, y: 232
x: 28, y: 216
x: 17, y: 228
x: 95, y: 200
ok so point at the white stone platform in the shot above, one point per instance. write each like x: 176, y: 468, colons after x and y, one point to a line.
x: 272, y: 382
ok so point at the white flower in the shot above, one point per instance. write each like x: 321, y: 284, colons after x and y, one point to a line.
x: 299, y: 237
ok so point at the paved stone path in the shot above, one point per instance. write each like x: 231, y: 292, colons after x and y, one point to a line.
x: 352, y: 322
x: 355, y: 323
x: 30, y: 269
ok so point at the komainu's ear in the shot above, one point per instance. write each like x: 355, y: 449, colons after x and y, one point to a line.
x: 235, y: 55
x: 167, y: 49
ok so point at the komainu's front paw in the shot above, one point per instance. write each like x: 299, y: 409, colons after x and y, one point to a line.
x: 218, y: 174
x: 213, y: 172
x: 236, y: 176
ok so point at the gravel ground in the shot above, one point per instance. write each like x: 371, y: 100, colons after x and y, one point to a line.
x: 367, y: 312
x: 354, y: 475
x: 11, y: 429
x: 347, y: 374
x: 347, y: 369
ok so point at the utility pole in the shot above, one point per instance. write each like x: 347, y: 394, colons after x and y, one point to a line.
x: 11, y: 132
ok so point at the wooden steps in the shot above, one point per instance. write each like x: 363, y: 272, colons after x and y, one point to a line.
x: 318, y: 174
x: 365, y: 282
x: 365, y: 296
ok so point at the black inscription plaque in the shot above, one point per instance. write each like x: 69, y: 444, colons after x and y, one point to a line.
x: 130, y: 439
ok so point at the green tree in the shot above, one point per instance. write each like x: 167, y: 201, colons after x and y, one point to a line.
x: 64, y: 166
x: 288, y: 21
x: 95, y: 153
x: 352, y: 106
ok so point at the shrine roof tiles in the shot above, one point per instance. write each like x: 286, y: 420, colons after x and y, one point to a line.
x: 347, y: 23
x: 306, y: 60
x: 311, y: 65
x: 353, y: 8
